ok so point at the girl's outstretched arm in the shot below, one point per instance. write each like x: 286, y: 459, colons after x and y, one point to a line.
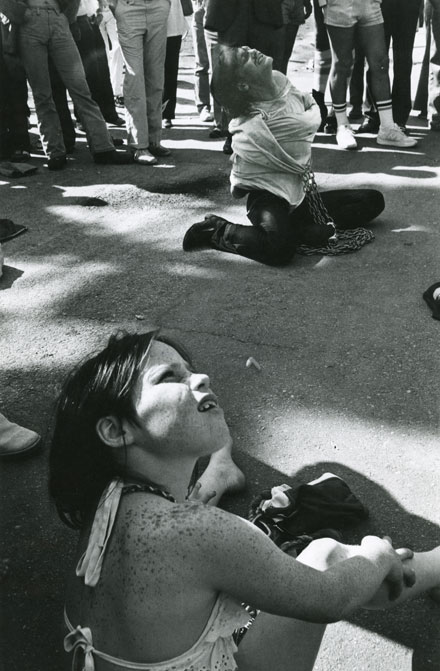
x: 328, y: 582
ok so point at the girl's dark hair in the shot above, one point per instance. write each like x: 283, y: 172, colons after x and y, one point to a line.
x: 80, y: 465
x: 224, y: 90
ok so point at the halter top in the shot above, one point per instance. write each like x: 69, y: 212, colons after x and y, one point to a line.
x: 215, y: 648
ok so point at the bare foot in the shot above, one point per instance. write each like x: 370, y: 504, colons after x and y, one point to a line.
x: 221, y: 475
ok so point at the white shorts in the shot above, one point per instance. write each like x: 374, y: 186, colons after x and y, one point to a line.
x: 348, y: 13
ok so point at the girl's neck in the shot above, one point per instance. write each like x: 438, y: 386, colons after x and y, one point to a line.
x: 173, y: 477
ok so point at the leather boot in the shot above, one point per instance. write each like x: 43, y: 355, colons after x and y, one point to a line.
x: 200, y: 235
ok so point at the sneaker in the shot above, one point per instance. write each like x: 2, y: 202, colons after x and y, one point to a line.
x: 144, y: 157
x: 119, y: 101
x: 345, y: 137
x: 158, y: 150
x: 394, y: 137
x: 206, y: 115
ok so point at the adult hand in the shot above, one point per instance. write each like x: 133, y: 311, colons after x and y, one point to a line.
x: 400, y: 575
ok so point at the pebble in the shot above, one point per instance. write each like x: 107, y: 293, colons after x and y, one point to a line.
x: 253, y: 362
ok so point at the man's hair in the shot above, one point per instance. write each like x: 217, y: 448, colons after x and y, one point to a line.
x: 225, y: 91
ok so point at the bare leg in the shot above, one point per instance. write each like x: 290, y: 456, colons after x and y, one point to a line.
x: 221, y: 475
x: 372, y: 40
x: 287, y: 644
x: 282, y: 643
x: 341, y: 43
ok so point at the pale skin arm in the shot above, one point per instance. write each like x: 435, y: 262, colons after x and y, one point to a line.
x: 235, y: 557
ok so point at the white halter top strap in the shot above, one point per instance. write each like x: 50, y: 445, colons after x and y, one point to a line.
x: 90, y: 564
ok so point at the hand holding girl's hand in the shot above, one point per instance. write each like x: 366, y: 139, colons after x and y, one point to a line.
x: 400, y: 574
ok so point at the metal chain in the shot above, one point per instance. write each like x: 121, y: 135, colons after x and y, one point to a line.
x: 345, y: 242
x: 315, y: 203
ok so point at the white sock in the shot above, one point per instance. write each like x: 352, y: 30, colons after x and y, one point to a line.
x: 385, y: 113
x: 341, y: 114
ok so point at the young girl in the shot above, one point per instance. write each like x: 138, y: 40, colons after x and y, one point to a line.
x: 160, y: 576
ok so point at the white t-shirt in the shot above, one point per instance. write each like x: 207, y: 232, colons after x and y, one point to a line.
x: 272, y: 144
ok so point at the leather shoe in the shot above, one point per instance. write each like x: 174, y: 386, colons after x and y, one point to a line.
x: 158, y: 150
x: 200, y: 234
x: 217, y: 133
x: 112, y: 157
x: 227, y: 147
x: 369, y: 125
x: 16, y: 440
x: 115, y: 120
x: 57, y: 163
x: 9, y: 230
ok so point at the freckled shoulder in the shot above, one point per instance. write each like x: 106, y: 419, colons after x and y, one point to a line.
x: 151, y: 521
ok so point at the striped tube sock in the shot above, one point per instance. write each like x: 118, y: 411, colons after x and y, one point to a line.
x: 341, y: 113
x: 385, y: 109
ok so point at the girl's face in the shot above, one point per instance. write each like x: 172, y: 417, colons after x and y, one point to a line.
x: 177, y: 412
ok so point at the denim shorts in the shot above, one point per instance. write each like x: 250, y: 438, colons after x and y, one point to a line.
x: 348, y: 13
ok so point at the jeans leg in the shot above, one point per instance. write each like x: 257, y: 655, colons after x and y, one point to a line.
x: 59, y: 94
x: 212, y: 41
x: 132, y: 25
x: 421, y: 97
x: 104, y: 90
x: 287, y: 42
x: 155, y: 42
x: 270, y: 239
x: 201, y: 72
x: 401, y: 23
x: 353, y: 206
x: 434, y: 76
x: 113, y: 50
x: 66, y: 58
x: 171, y: 74
x: 16, y: 104
x: 92, y: 49
x: 322, y: 42
x: 34, y: 45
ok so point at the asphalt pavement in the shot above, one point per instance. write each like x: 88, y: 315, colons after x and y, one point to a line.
x: 347, y: 349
